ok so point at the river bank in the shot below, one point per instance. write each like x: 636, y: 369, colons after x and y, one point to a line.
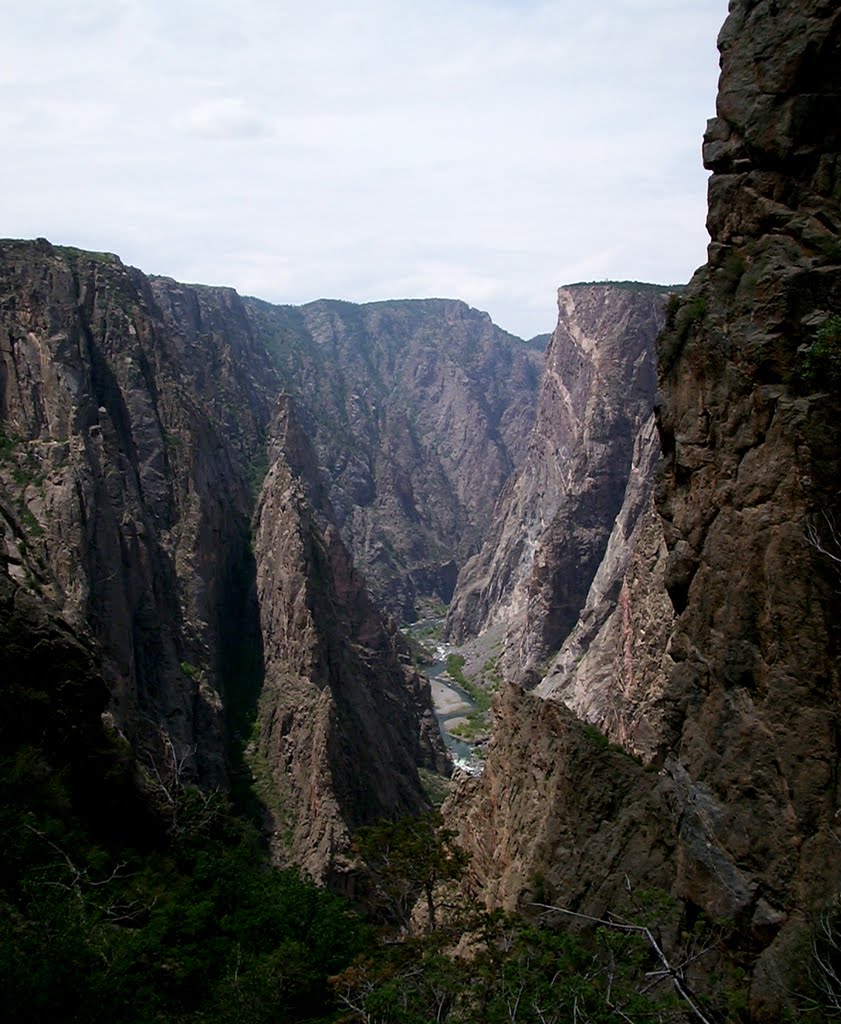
x: 451, y: 703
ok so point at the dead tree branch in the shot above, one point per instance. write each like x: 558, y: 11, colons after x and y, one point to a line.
x: 674, y: 973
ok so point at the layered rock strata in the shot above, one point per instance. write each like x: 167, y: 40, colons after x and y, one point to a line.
x: 553, y: 524
x: 733, y: 693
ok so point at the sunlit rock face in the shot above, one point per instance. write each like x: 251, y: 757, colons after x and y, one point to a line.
x: 718, y: 663
x: 596, y: 396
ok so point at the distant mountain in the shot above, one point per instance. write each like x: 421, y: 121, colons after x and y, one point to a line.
x: 419, y: 411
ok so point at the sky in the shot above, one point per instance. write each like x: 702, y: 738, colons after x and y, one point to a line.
x: 487, y: 150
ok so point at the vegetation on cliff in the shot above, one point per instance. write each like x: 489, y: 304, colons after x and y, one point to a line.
x: 196, y: 927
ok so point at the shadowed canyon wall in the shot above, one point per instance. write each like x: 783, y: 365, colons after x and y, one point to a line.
x: 139, y: 418
x: 719, y: 663
x: 188, y: 478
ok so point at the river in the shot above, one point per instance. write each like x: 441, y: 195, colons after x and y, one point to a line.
x: 451, y: 703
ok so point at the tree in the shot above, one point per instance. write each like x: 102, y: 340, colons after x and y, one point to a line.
x: 408, y: 859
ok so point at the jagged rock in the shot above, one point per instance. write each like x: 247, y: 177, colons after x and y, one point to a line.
x: 125, y: 446
x: 737, y: 696
x: 553, y: 523
x: 52, y: 698
x: 611, y: 669
x: 558, y: 811
x: 342, y: 724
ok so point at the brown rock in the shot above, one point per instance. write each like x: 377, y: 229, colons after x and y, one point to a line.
x: 342, y: 723
x: 735, y: 690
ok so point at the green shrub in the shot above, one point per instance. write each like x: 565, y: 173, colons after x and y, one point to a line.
x: 820, y: 362
x: 182, y: 931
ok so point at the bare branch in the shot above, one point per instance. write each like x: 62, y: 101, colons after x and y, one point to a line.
x: 672, y: 972
x: 831, y: 548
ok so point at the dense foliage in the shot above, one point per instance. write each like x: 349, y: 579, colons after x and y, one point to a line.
x: 198, y: 927
x: 194, y: 925
x: 511, y: 973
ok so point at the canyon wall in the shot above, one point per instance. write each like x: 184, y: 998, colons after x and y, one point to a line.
x: 138, y: 420
x: 125, y: 450
x: 419, y: 412
x: 554, y: 521
x: 718, y: 665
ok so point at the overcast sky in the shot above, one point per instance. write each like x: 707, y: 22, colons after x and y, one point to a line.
x: 488, y: 150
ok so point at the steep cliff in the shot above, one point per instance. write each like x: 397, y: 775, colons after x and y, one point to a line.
x: 419, y: 412
x: 52, y: 696
x: 342, y: 723
x: 611, y: 668
x: 553, y: 524
x: 125, y: 447
x: 720, y: 662
x: 750, y: 433
x: 136, y: 416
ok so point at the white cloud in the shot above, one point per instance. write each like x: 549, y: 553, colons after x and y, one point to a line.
x: 479, y: 148
x: 222, y: 119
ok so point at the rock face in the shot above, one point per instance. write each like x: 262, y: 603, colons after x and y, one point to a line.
x: 342, y: 724
x: 611, y: 667
x: 559, y: 816
x: 419, y: 412
x: 137, y: 420
x: 129, y: 471
x: 52, y: 697
x: 734, y: 690
x: 596, y: 395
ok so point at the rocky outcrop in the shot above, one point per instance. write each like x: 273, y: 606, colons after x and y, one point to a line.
x: 734, y: 691
x: 557, y: 815
x: 136, y: 416
x: 750, y: 433
x: 596, y: 395
x: 419, y: 412
x: 52, y: 699
x: 342, y: 723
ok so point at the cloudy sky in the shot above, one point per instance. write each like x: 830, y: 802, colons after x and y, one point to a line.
x: 488, y: 150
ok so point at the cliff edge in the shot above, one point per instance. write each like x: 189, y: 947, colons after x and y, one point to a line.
x: 731, y: 697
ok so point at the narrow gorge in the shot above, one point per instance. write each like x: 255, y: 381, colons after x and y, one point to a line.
x: 219, y: 519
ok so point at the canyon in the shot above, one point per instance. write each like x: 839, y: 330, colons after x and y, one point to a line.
x: 707, y: 648
x: 215, y: 512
